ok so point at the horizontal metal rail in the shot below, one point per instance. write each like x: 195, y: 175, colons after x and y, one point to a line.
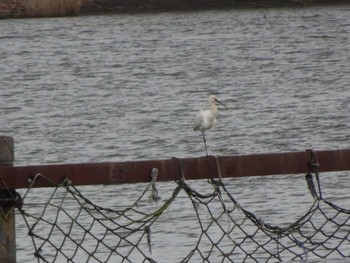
x: 173, y: 169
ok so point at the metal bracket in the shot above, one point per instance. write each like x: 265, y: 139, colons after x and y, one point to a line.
x: 14, y: 201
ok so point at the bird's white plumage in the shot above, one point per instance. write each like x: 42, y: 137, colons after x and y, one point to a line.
x: 205, y: 119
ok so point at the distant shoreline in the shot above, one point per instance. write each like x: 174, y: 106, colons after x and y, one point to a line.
x: 59, y: 8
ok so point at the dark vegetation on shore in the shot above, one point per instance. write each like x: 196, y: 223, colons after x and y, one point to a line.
x: 52, y: 8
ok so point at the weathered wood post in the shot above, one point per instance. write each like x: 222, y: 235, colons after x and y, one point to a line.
x: 7, y: 213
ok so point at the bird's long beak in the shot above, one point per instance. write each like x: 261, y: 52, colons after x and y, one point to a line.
x: 222, y: 104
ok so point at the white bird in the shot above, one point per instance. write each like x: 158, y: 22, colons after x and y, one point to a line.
x: 205, y: 119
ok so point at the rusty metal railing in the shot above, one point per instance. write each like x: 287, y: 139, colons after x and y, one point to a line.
x: 169, y: 169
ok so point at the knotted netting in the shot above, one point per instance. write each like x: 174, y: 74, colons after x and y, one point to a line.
x: 66, y: 226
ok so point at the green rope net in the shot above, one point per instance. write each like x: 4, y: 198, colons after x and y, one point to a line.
x: 68, y: 227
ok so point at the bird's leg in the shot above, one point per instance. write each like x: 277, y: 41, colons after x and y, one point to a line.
x: 205, y: 143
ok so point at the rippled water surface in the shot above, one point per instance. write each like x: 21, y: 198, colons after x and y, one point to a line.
x: 127, y: 86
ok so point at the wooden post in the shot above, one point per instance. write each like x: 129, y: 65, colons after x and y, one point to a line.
x: 7, y: 212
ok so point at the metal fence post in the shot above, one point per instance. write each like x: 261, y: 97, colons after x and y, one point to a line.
x: 7, y: 213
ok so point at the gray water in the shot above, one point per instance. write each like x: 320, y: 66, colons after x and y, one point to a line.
x: 127, y: 86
